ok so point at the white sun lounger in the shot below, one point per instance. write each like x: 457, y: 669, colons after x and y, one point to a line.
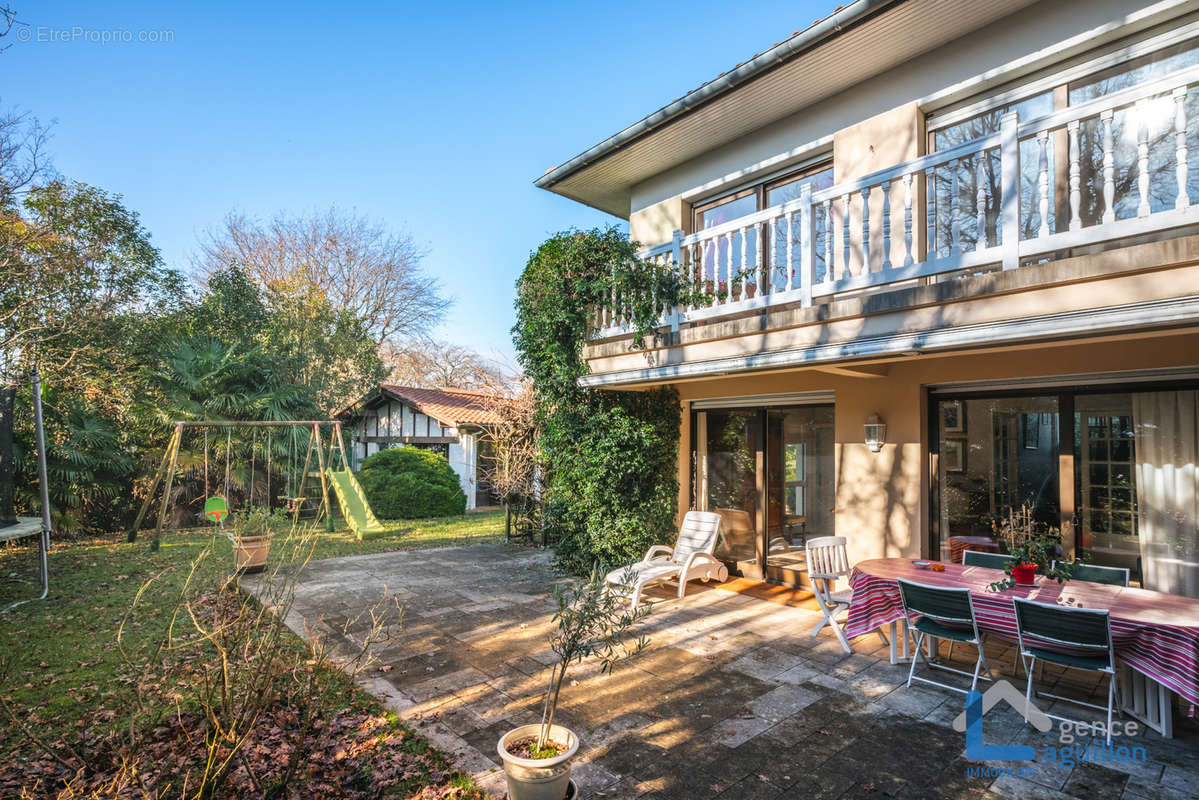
x: 689, y: 559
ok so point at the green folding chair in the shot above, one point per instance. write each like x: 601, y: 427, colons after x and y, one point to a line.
x: 978, y: 558
x: 1093, y: 573
x: 942, y: 613
x: 1082, y: 638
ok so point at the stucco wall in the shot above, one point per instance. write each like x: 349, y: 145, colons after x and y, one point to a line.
x: 657, y: 224
x: 462, y: 459
x: 882, y: 141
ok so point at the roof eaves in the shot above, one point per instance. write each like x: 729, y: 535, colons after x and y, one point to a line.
x: 818, y: 32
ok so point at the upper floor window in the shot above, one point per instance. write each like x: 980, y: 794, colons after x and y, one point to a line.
x: 1044, y: 97
x: 760, y: 196
x: 787, y: 189
x: 986, y: 123
x: 728, y: 208
x: 1131, y: 73
x: 1112, y: 79
x: 735, y: 257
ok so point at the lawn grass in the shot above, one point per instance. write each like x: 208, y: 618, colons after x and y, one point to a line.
x: 484, y: 526
x: 59, y: 663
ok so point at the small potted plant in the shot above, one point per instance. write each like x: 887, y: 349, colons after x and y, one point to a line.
x: 592, y: 622
x: 251, y: 537
x: 1035, y: 554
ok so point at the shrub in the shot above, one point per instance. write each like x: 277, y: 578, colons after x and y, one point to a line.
x: 410, y: 483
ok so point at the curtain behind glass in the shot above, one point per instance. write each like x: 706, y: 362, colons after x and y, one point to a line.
x: 1167, y: 437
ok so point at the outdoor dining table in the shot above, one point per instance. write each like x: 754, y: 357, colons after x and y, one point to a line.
x: 1154, y: 633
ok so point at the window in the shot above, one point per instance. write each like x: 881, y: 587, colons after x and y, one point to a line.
x: 763, y: 195
x: 1133, y: 452
x: 986, y: 123
x: 756, y: 198
x: 787, y: 189
x: 1126, y: 125
x: 998, y: 456
x: 770, y: 474
x: 727, y: 208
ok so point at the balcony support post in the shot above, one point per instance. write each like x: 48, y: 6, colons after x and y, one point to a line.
x: 1144, y: 208
x: 1009, y: 205
x: 1075, y: 178
x: 675, y: 312
x: 1183, y: 199
x: 807, y: 245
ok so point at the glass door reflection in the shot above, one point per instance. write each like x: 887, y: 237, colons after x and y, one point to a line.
x: 731, y: 445
x: 799, y: 485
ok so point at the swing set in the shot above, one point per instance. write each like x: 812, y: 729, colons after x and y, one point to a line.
x: 217, y: 505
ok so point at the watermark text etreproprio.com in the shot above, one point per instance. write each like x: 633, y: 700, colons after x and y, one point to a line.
x: 78, y: 33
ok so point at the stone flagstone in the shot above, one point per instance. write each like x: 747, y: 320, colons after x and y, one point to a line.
x: 732, y: 699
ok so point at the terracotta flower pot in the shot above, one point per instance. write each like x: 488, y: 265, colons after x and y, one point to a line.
x: 538, y: 778
x: 1024, y: 574
x: 249, y: 553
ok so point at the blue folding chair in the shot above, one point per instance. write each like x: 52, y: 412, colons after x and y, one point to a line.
x: 1079, y: 638
x: 942, y: 613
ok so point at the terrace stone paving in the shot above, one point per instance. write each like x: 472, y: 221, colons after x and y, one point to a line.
x: 732, y: 699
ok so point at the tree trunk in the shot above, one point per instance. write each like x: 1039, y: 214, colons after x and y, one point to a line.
x: 8, y: 398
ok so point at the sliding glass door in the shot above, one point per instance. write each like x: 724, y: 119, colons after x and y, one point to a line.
x: 799, y: 485
x: 733, y: 448
x: 998, y: 459
x: 1114, y: 470
x: 1104, y: 471
x: 769, y: 473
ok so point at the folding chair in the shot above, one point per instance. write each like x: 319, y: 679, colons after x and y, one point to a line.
x: 942, y: 613
x: 979, y: 558
x: 827, y: 562
x: 1040, y: 627
x: 1093, y: 573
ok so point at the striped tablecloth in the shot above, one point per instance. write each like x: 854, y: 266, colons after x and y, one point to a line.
x: 1154, y: 633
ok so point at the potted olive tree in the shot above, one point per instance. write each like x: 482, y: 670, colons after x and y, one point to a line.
x: 592, y: 622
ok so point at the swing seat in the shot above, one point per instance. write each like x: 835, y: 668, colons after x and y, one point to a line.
x: 216, y: 509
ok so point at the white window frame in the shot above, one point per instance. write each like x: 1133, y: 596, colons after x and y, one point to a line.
x: 1053, y: 76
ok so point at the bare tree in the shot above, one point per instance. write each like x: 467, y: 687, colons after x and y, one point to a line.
x: 433, y: 363
x: 357, y: 262
x: 509, y: 456
x: 23, y: 160
x: 8, y: 18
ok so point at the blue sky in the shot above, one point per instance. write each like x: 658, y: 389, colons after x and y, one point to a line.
x: 434, y: 118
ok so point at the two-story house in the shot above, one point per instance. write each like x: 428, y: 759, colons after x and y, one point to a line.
x: 951, y: 251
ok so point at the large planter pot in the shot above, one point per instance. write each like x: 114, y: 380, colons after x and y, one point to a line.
x: 538, y: 778
x: 1024, y: 574
x: 249, y: 553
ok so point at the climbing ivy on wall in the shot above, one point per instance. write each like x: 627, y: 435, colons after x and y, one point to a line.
x: 610, y: 484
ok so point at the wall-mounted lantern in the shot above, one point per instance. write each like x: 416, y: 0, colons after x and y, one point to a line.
x: 876, y: 433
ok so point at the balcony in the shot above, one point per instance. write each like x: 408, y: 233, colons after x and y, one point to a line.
x: 1118, y: 170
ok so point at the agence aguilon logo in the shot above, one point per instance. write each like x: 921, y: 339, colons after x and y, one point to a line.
x: 1065, y: 752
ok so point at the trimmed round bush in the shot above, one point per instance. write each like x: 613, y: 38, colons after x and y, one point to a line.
x: 410, y: 483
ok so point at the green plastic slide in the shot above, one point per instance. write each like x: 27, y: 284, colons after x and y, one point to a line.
x: 354, y: 507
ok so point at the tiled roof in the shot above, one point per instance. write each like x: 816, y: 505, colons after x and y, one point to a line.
x: 447, y: 405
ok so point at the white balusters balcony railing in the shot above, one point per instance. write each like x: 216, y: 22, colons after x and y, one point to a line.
x: 990, y: 203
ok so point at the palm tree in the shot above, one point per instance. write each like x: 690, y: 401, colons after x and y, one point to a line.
x: 199, y: 378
